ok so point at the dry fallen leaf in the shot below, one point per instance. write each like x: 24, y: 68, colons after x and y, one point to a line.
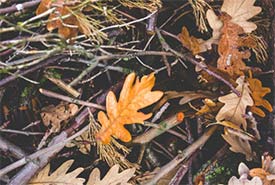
x: 258, y: 92
x: 63, y: 18
x: 208, y: 107
x: 238, y: 144
x: 113, y: 177
x: 231, y: 57
x: 241, y: 11
x: 190, y: 42
x: 234, y: 107
x: 135, y: 95
x: 216, y: 26
x: 54, y: 115
x: 59, y: 176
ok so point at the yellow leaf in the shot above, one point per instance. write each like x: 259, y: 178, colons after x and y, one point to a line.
x: 235, y: 107
x: 227, y: 124
x: 133, y: 97
x: 241, y: 11
x: 258, y: 92
x: 112, y: 177
x: 59, y: 176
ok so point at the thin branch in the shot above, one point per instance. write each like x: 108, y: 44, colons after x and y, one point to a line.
x: 69, y: 99
x: 30, y: 70
x: 19, y: 7
x: 62, y: 85
x: 26, y: 133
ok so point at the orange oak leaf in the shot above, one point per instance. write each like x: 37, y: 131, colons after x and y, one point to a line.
x: 235, y: 106
x: 135, y: 95
x: 258, y: 92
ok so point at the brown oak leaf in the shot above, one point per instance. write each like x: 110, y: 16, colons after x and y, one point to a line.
x: 113, y: 177
x: 191, y: 43
x: 59, y: 176
x: 237, y: 144
x: 54, y: 115
x: 241, y: 11
x: 234, y: 106
x: 231, y: 57
x: 135, y: 95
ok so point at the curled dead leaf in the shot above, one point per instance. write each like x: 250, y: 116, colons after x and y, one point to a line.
x: 238, y: 144
x: 54, y: 115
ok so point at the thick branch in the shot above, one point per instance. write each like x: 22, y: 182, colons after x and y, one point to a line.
x: 7, y: 146
x: 154, y: 132
x: 183, y: 156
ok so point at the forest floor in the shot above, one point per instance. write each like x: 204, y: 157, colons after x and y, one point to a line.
x: 137, y: 92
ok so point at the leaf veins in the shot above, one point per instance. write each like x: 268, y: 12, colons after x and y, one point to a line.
x: 133, y: 97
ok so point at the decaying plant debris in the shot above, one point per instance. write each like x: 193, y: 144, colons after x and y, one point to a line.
x: 137, y: 92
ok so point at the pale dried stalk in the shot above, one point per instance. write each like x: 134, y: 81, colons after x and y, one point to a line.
x: 64, y: 86
x: 154, y: 132
x: 182, y: 156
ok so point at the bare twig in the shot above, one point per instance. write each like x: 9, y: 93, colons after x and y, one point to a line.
x: 32, y: 69
x: 42, y: 156
x: 154, y: 132
x: 68, y: 99
x: 19, y: 7
x: 62, y: 85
